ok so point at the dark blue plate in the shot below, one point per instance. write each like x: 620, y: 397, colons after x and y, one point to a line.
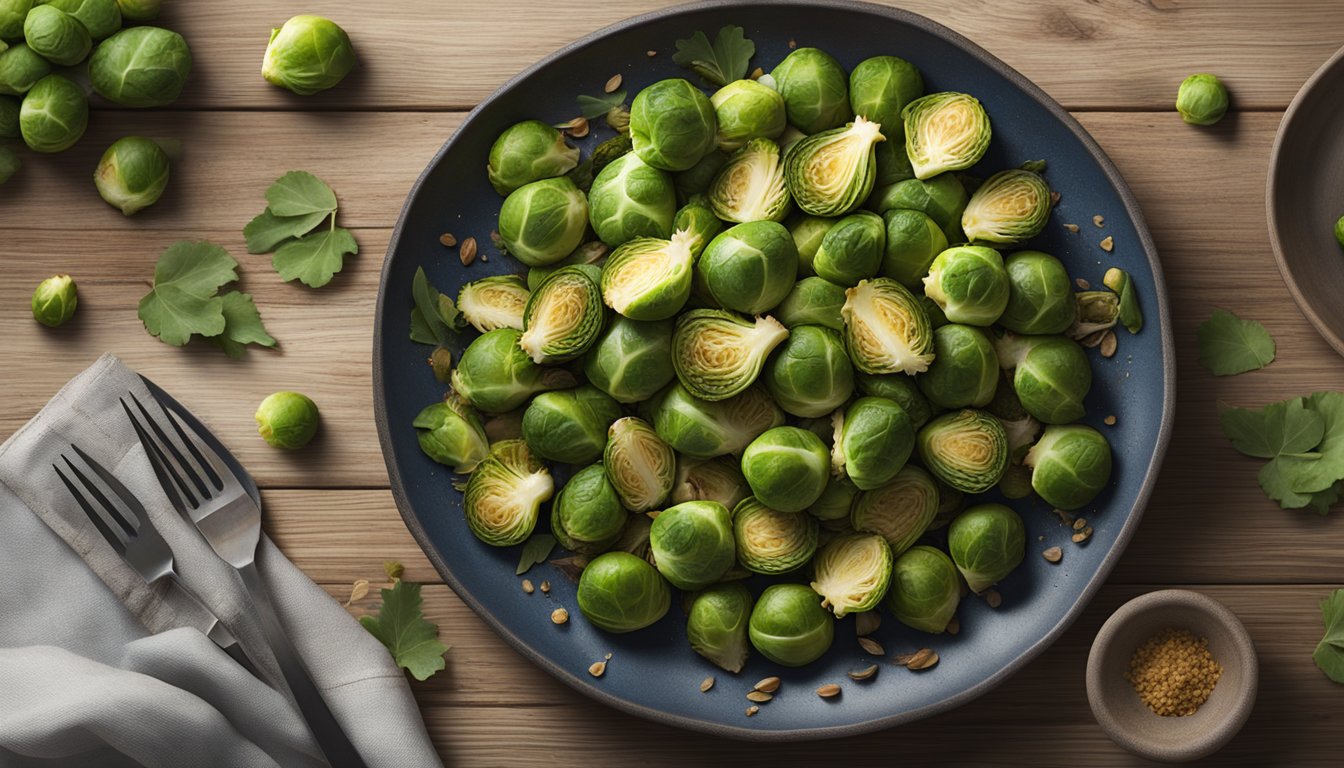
x: 653, y: 673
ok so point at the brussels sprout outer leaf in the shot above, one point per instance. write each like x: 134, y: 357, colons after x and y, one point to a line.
x: 619, y: 592
x: 717, y: 625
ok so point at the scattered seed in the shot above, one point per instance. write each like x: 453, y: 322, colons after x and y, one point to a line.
x: 1053, y: 555
x: 757, y: 73
x: 760, y: 697
x: 1083, y: 284
x: 753, y: 709
x: 485, y: 257
x: 546, y: 587
x: 559, y: 616
x: 863, y: 674
x: 1054, y: 199
x: 1109, y: 421
x: 598, y: 668
x: 792, y: 44
x: 607, y: 657
x: 653, y: 514
x: 953, y: 626
x: 612, y: 84
x: 578, y: 127
x: 1092, y: 340
x: 870, y: 645
x: 866, y: 623
x: 1108, y: 244
x: 527, y: 586
x: 1099, y: 220
x: 768, y: 685
x: 1108, y: 344
x: 468, y: 251
x: 357, y: 591
x: 706, y: 684
x: 447, y: 239
x: 993, y: 599
x: 1072, y: 228
x: 1083, y: 535
x: 650, y: 53
x: 1080, y: 524
x: 1064, y: 516
x: 924, y: 658
x: 829, y: 690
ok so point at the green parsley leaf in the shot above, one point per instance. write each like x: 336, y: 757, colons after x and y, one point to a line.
x: 722, y: 62
x: 435, y: 317
x: 299, y: 193
x: 1328, y: 469
x: 1229, y: 345
x: 183, y: 301
x: 535, y: 550
x: 242, y: 325
x: 593, y: 107
x: 1278, y: 429
x: 401, y: 626
x: 1329, y: 655
x: 315, y: 258
x: 267, y: 230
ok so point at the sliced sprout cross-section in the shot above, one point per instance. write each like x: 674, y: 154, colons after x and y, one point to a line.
x: 886, y: 329
x: 831, y: 173
x: 641, y: 467
x: 770, y: 541
x: 563, y: 317
x: 899, y: 511
x: 1009, y: 207
x: 718, y: 354
x: 966, y: 449
x: 494, y: 302
x: 750, y: 186
x: 648, y: 278
x: 945, y: 132
x: 852, y: 573
x: 505, y: 493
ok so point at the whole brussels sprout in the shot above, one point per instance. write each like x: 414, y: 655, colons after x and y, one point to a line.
x: 100, y: 17
x: 141, y: 67
x: 913, y: 241
x: 852, y: 249
x: 54, y: 301
x: 717, y: 625
x: 831, y: 173
x: 494, y: 302
x: 964, y: 371
x: 692, y: 543
x: 873, y: 439
x: 648, y: 278
x: 718, y: 354
x: 770, y: 541
x: 1202, y: 99
x: 945, y: 132
x: 587, y: 516
x: 703, y: 429
x: 12, y: 14
x: 969, y: 284
x: 813, y: 301
x: 9, y: 163
x: 718, y: 479
x: 966, y: 449
x: 563, y: 317
x: 750, y: 186
x: 789, y: 626
x: 631, y: 199
x: 942, y: 198
x: 619, y: 592
x: 544, y: 221
x: 569, y: 425
x: 132, y: 174
x: 526, y: 152
x: 56, y: 36
x: 1040, y: 294
x: 924, y: 590
x: 9, y: 118
x: 852, y: 573
x: 836, y: 502
x: 641, y: 467
x: 287, y: 420
x: 697, y: 219
x: 786, y: 468
x: 986, y: 542
x: 808, y: 231
x: 809, y: 375
x: 1051, y: 375
x: 495, y: 375
x: 1070, y: 465
x: 308, y: 54
x: 902, y: 389
x: 54, y: 115
x: 505, y: 493
x: 880, y: 87
x: 452, y: 435
x: 886, y: 328
x: 815, y: 91
x: 20, y: 69
x: 140, y: 10
x: 696, y: 179
x: 899, y: 511
x: 1009, y: 207
x: 672, y: 124
x: 750, y: 267
x: 746, y: 110
x: 631, y: 360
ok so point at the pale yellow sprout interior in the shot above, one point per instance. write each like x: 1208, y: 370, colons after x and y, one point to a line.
x: 972, y: 450
x: 644, y: 467
x: 883, y: 331
x: 723, y: 348
x: 1012, y: 201
x: 649, y: 270
x: 830, y: 169
x: 751, y: 187
x: 769, y: 534
x: 491, y: 306
x: 948, y: 135
x: 559, y: 310
x: 849, y: 571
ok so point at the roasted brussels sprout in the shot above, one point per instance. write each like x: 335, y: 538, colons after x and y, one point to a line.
x: 563, y: 317
x: 886, y: 329
x: 1040, y: 294
x: 631, y: 199
x: 789, y: 626
x: 880, y: 87
x: 619, y: 592
x: 1009, y: 207
x: 641, y: 467
x: 831, y: 173
x: 20, y: 69
x: 452, y: 435
x: 969, y: 284
x: 913, y: 241
x: 750, y: 186
x: 852, y: 249
x: 631, y: 360
x: 544, y: 221
x: 718, y: 354
x: 718, y: 479
x: 308, y: 54
x: 900, y: 510
x: 55, y: 300
x: 505, y: 493
x: 56, y: 36
x: 873, y: 439
x: 140, y: 10
x: 287, y: 420
x: 697, y: 219
x: 495, y: 375
x: 815, y: 91
x: 1202, y: 99
x: 1070, y: 465
x: 852, y: 573
x: 703, y: 429
x: 54, y: 115
x: 924, y: 590
x: 569, y: 425
x: 100, y: 17
x: 986, y: 542
x: 966, y: 449
x: 813, y: 301
x: 717, y: 625
x: 692, y: 543
x: 672, y: 124
x: 12, y: 14
x: 587, y: 516
x: 809, y: 375
x: 902, y: 389
x: 965, y: 370
x: 696, y: 179
x: 786, y: 468
x: 808, y: 231
x: 746, y: 110
x: 141, y: 67
x: 770, y: 541
x: 526, y: 152
x: 945, y: 132
x: 941, y: 198
x: 1051, y: 375
x: 132, y: 174
x: 648, y: 278
x: 1131, y: 316
x: 749, y: 267
x: 494, y: 302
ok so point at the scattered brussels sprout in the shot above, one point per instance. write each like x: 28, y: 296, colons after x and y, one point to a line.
x: 526, y: 152
x: 631, y: 360
x: 966, y: 449
x: 986, y: 542
x: 750, y: 267
x: 563, y: 317
x: 836, y: 502
x: 852, y: 249
x: 494, y: 302
x: 770, y: 541
x: 718, y: 479
x: 132, y: 174
x: 587, y: 517
x: 965, y: 370
x: 1040, y: 294
x: 831, y: 173
x: 641, y: 467
x: 945, y: 132
x: 1202, y: 99
x: 308, y: 54
x: 813, y: 301
x: 969, y: 284
x: 631, y: 199
x: 1009, y: 207
x: 672, y: 125
x: 887, y: 330
x: 900, y: 388
x: 1051, y: 375
x: 789, y: 627
x: 924, y: 589
x: 879, y: 89
x: 697, y: 219
x: 899, y: 511
x: 913, y: 241
x: 808, y: 231
x: 873, y: 439
x: 941, y: 198
x: 495, y: 375
x: 20, y: 69
x: 569, y: 425
x: 718, y: 354
x: 100, y: 17
x: 852, y: 573
x: 12, y: 14
x: 696, y: 179
x: 9, y: 118
x: 815, y: 90
x: 505, y: 493
x: 750, y: 186
x: 786, y: 468
x: 139, y: 10
x: 692, y: 543
x: 56, y: 36
x: 810, y: 375
x: 619, y: 592
x: 703, y: 429
x: 54, y: 115
x: 1131, y: 316
x: 452, y: 435
x: 1070, y: 465
x: 9, y: 163
x: 544, y: 221
x: 286, y: 419
x: 54, y: 301
x: 648, y: 278
x: 747, y: 110
x: 717, y: 625
x: 141, y: 67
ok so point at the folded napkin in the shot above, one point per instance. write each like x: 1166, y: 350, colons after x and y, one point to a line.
x: 99, y: 669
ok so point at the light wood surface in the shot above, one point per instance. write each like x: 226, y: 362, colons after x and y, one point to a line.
x: 1116, y: 62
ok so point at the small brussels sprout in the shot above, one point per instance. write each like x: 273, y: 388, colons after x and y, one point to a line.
x: 631, y: 360
x: 9, y: 163
x: 544, y: 221
x: 12, y: 14
x: 966, y: 449
x: 810, y: 375
x: 587, y: 517
x: 1009, y: 207
x: 965, y: 370
x: 100, y: 17
x: 1131, y: 316
x: 969, y: 284
x: 899, y: 511
x: 880, y: 87
x: 697, y: 219
x: 873, y: 439
x: 495, y: 375
x: 836, y: 502
x: 569, y: 425
x: 718, y: 354
x: 140, y: 10
x: 746, y: 110
x: 54, y: 301
x: 749, y: 267
x: 141, y: 67
x: 808, y: 231
x: 54, y: 115
x: 789, y: 626
x: 526, y: 152
x: 941, y: 198
x: 815, y: 90
x: 287, y: 420
x: 308, y: 54
x: 452, y: 435
x: 1339, y: 231
x: 1070, y: 465
x: 717, y: 625
x: 750, y: 186
x: 1051, y: 375
x: 9, y: 118
x: 886, y: 329
x: 986, y: 542
x: 913, y: 241
x: 813, y: 301
x: 631, y: 199
x: 20, y: 69
x: 1202, y: 99
x: 852, y: 573
x: 132, y: 174
x: 831, y: 173
x: 1040, y: 294
x: 703, y: 429
x: 696, y: 179
x: 619, y: 592
x: 56, y: 36
x: 692, y: 543
x: 718, y: 479
x: 648, y: 278
x: 563, y: 317
x: 924, y: 590
x: 641, y: 467
x: 672, y: 124
x: 852, y: 249
x: 494, y: 302
x: 900, y: 388
x: 945, y: 132
x: 786, y: 468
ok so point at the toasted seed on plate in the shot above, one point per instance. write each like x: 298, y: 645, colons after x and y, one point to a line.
x: 608, y: 656
x: 612, y: 84
x: 1080, y: 523
x: 753, y: 709
x: 468, y: 251
x: 546, y: 587
x: 559, y: 616
x: 757, y: 73
x: 767, y: 685
x: 1072, y: 228
x: 953, y: 626
x: 1108, y: 244
x: 866, y: 623
x: 828, y: 690
x: 870, y: 645
x: 447, y: 239
x: 922, y: 659
x: 760, y: 697
x: 357, y: 591
x: 706, y: 684
x: 527, y: 586
x: 597, y: 668
x: 1054, y: 199
x: 1099, y: 220
x: 1083, y: 535
x: 1108, y: 344
x: 993, y: 598
x: 1083, y: 284
x: 863, y: 674
x: 1053, y: 554
x: 1109, y: 420
x: 650, y: 53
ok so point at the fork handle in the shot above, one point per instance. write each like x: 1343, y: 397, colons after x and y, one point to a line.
x: 331, y: 739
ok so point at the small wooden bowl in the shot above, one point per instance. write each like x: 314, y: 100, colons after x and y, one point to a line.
x: 1127, y: 720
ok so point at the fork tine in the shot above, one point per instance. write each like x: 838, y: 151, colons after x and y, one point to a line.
x: 207, y: 464
x: 114, y: 538
x: 130, y: 517
x: 219, y: 470
x: 173, y: 484
x: 190, y: 470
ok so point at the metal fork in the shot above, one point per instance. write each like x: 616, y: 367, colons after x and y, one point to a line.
x: 212, y: 490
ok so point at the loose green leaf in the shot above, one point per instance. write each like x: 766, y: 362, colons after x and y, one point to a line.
x: 1329, y: 655
x: 1229, y: 345
x: 242, y: 325
x: 267, y: 230
x: 401, y: 626
x: 183, y: 301
x: 719, y: 63
x: 315, y: 258
x: 299, y: 193
x: 1285, y: 428
x: 1328, y: 469
x: 535, y: 550
x: 1035, y: 166
x: 593, y: 107
x: 435, y: 317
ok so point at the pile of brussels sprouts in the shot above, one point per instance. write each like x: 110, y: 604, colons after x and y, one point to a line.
x: 782, y: 324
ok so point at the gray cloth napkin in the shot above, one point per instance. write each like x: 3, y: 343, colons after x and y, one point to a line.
x: 99, y: 669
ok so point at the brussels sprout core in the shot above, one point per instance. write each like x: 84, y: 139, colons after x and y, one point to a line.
x: 287, y: 420
x: 945, y: 132
x: 648, y: 278
x: 831, y: 173
x: 852, y: 573
x: 1010, y: 207
x: 132, y: 174
x: 886, y: 329
x: 718, y: 354
x: 54, y: 301
x: 308, y: 54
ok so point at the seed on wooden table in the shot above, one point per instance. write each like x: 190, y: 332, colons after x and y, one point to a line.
x: 612, y: 84
x: 559, y: 616
x: 1109, y: 421
x: 866, y: 623
x: 863, y: 674
x: 1053, y: 555
x: 598, y: 668
x: 527, y: 586
x: 768, y: 685
x: 706, y: 684
x: 468, y: 251
x: 753, y: 709
x: 953, y: 626
x: 870, y: 645
x: 761, y: 697
x: 1108, y: 344
x: 1108, y: 244
x: 447, y: 239
x: 828, y: 690
x: 546, y: 587
x: 1083, y: 284
x: 1072, y: 228
x: 993, y: 598
x: 1099, y: 220
x: 1080, y: 524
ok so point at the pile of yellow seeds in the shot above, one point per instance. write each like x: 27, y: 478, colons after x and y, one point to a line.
x: 1173, y: 672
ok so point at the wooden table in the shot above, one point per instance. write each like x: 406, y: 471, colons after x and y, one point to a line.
x: 1116, y: 63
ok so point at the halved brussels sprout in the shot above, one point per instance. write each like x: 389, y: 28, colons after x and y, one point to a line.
x: 815, y: 91
x: 692, y: 543
x: 718, y: 479
x: 810, y: 375
x: 750, y: 267
x: 986, y: 542
x: 836, y: 502
x: 526, y: 152
x: 941, y: 198
x: 494, y: 302
x: 902, y: 389
x: 619, y: 592
x: 495, y: 375
x: 672, y: 124
x: 789, y: 626
x: 965, y: 370
x: 631, y: 199
x: 886, y: 329
x: 698, y: 221
x: 879, y: 89
x: 899, y: 511
x: 852, y: 249
x: 56, y: 36
x: 1040, y: 294
x: 1096, y: 311
x: 913, y: 242
x: 1009, y: 207
x: 924, y: 590
x: 563, y: 317
x: 100, y: 17
x: 770, y: 541
x: 641, y: 467
x: 966, y: 449
x: 648, y: 278
x: 54, y: 114
x: 1070, y: 465
x: 505, y: 493
x: 452, y: 435
x: 813, y: 301
x: 746, y: 110
x: 543, y: 221
x: 717, y: 625
x: 969, y: 284
x: 852, y: 573
x: 874, y: 437
x: 696, y: 179
x: 631, y: 360
x: 12, y: 14
x: 141, y: 67
x: 945, y: 132
x: 1051, y: 375
x: 20, y: 69
x: 570, y: 425
x: 703, y: 429
x: 750, y: 186
x: 831, y: 173
x: 587, y: 516
x: 132, y: 174
x: 808, y: 231
x: 786, y: 468
x: 1118, y: 280
x: 718, y: 354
